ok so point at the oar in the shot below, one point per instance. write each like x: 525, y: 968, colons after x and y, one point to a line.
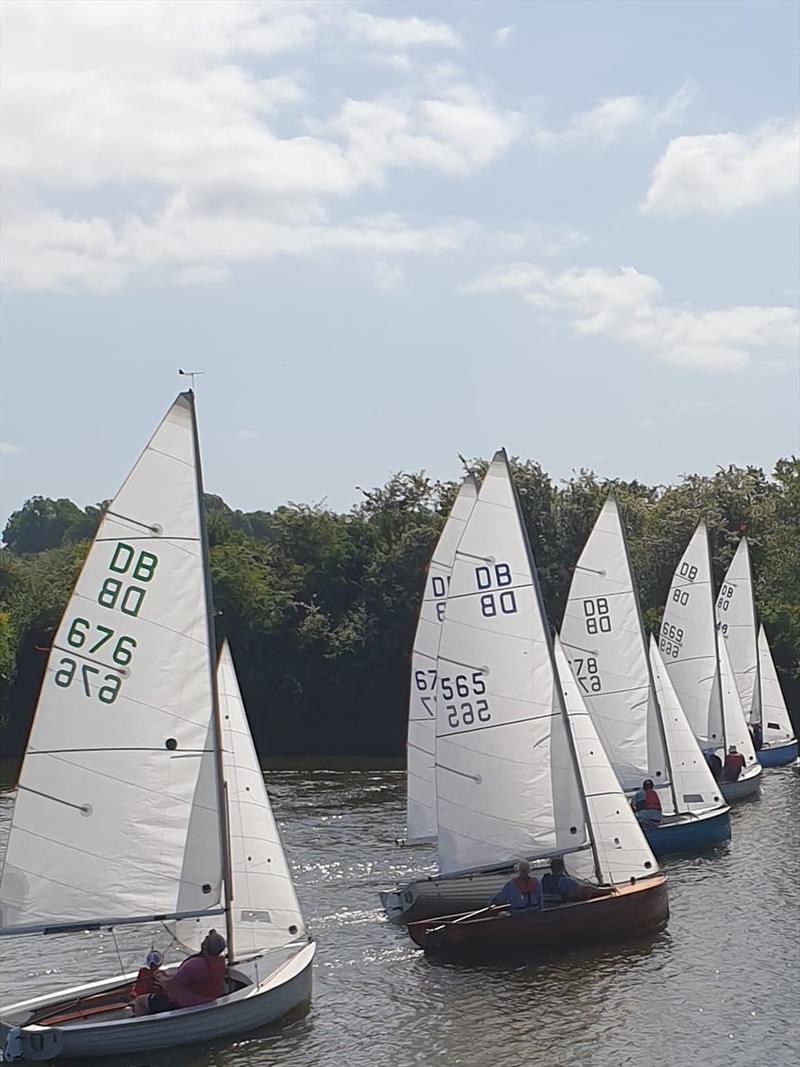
x: 469, y: 915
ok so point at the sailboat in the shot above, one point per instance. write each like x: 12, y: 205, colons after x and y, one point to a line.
x: 421, y: 785
x: 520, y: 771
x: 603, y: 635
x: 752, y: 663
x: 699, y: 668
x: 129, y: 808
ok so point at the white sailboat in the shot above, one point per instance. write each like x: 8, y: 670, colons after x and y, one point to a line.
x: 519, y: 769
x: 421, y: 784
x: 752, y: 663
x: 699, y: 668
x: 604, y: 637
x: 121, y: 815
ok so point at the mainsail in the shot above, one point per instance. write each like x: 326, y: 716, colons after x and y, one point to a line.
x: 603, y: 636
x: 117, y: 815
x: 736, y: 618
x: 265, y: 910
x: 776, y: 723
x: 421, y: 809
x: 515, y: 775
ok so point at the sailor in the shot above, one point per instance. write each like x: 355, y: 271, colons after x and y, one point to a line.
x: 148, y: 975
x: 559, y: 884
x: 714, y: 763
x: 646, y: 804
x: 521, y: 892
x: 199, y: 980
x: 734, y: 765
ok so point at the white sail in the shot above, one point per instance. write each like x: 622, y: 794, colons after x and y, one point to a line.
x: 735, y: 726
x: 776, y: 723
x: 421, y: 807
x: 688, y: 642
x: 736, y: 618
x: 622, y: 850
x: 695, y: 787
x: 117, y: 812
x: 505, y: 775
x: 604, y: 639
x: 265, y: 912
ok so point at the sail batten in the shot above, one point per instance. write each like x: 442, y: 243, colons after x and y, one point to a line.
x: 126, y: 694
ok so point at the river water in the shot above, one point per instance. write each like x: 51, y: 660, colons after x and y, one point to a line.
x: 718, y: 987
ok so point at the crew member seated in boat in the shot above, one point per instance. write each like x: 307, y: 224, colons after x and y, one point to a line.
x: 558, y: 883
x: 757, y: 735
x: 734, y: 765
x: 148, y: 976
x: 646, y: 804
x: 714, y: 763
x: 199, y: 980
x: 522, y: 891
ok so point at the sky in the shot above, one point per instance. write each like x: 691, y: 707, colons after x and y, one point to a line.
x: 390, y: 234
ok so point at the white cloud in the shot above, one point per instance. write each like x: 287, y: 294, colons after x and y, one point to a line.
x: 387, y: 276
x: 192, y: 160
x: 608, y: 120
x: 7, y: 449
x: 501, y: 35
x: 722, y: 172
x: 628, y: 306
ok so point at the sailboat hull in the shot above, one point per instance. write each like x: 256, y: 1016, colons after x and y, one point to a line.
x: 747, y: 786
x: 630, y: 912
x: 778, y: 755
x: 265, y: 999
x: 688, y: 833
x: 432, y: 896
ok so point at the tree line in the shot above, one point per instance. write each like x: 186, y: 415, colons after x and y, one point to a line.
x: 320, y: 607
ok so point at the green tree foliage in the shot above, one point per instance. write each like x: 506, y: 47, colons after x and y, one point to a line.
x: 320, y: 608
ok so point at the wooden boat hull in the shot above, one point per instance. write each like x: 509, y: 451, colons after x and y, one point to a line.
x: 747, y: 786
x: 778, y: 755
x: 687, y: 833
x: 632, y: 911
x: 428, y: 897
x: 266, y: 999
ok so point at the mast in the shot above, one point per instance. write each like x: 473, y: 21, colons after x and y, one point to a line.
x: 222, y: 792
x: 653, y: 692
x: 556, y: 676
x: 718, y: 670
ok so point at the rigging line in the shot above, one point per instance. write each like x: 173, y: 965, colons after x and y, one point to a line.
x: 496, y: 589
x: 168, y: 455
x: 496, y: 725
x: 116, y: 946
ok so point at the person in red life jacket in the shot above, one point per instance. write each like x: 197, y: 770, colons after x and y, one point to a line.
x: 734, y: 765
x: 199, y: 980
x: 147, y: 978
x: 522, y: 891
x: 646, y: 804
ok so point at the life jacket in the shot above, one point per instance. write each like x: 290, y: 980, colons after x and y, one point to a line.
x: 145, y: 983
x: 212, y: 983
x: 527, y: 887
x: 651, y: 801
x: 734, y: 765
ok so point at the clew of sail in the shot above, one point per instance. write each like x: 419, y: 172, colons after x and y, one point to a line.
x: 696, y: 789
x: 121, y: 750
x: 622, y: 852
x: 688, y: 642
x: 736, y: 618
x: 265, y: 910
x: 777, y: 724
x: 505, y: 777
x: 421, y: 805
x: 604, y: 639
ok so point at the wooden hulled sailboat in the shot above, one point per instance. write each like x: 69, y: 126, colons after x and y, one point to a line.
x: 129, y: 808
x: 520, y: 771
x: 421, y: 747
x: 752, y: 663
x: 603, y: 635
x: 699, y: 668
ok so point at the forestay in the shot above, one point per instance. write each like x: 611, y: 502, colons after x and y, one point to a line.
x: 117, y: 811
x: 688, y: 642
x: 736, y: 617
x: 265, y: 910
x: 604, y: 639
x: 506, y: 780
x: 421, y: 807
x: 695, y: 788
x: 621, y: 849
x: 777, y: 725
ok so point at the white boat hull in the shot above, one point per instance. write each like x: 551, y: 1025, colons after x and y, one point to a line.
x: 747, y: 786
x: 265, y: 999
